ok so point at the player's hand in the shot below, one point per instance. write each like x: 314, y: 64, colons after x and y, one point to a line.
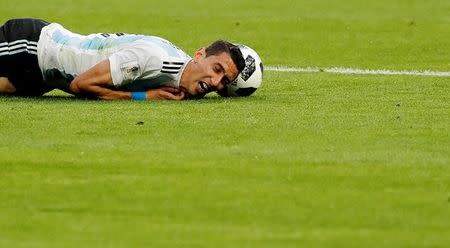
x: 165, y: 93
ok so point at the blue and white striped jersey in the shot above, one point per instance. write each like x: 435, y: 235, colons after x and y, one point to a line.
x: 138, y: 62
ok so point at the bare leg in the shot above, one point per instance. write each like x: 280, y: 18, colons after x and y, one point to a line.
x: 6, y: 86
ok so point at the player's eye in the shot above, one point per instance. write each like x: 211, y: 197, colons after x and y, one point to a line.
x: 226, y: 80
x: 216, y: 68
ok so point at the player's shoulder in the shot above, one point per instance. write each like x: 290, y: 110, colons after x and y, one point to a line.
x: 52, y: 27
x: 158, y: 52
x: 163, y: 47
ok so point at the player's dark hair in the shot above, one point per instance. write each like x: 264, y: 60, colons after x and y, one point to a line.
x: 220, y: 46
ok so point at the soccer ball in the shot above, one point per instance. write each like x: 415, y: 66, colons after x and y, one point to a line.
x: 249, y: 79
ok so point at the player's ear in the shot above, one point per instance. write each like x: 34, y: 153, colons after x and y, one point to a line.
x: 200, y: 53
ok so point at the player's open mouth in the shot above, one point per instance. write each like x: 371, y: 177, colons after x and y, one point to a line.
x: 204, y: 86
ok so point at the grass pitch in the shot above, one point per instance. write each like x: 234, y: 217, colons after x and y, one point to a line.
x: 312, y: 159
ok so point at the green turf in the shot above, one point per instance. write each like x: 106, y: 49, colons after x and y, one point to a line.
x: 311, y: 160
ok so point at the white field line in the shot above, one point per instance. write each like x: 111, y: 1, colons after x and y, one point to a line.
x: 340, y: 70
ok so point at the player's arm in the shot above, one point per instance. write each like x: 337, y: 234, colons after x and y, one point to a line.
x: 98, y: 82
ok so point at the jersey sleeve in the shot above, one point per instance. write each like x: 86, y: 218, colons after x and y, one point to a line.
x: 132, y: 64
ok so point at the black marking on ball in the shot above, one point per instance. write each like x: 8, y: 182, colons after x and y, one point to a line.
x: 223, y: 92
x: 245, y: 91
x: 249, y: 68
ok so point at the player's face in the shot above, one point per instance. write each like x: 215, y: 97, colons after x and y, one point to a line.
x: 208, y: 73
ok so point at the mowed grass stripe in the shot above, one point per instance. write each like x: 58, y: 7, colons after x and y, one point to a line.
x: 311, y: 160
x: 341, y: 70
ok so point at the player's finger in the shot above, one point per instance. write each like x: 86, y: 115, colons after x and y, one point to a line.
x: 170, y: 96
x: 180, y: 95
x: 170, y: 89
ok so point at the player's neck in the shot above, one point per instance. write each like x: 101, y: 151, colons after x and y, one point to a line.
x: 187, y: 74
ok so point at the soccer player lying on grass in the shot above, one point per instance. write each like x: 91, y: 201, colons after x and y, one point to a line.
x: 37, y: 57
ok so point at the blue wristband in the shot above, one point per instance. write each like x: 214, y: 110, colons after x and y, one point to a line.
x: 138, y: 96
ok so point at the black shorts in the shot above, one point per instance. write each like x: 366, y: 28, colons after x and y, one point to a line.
x: 18, y: 56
